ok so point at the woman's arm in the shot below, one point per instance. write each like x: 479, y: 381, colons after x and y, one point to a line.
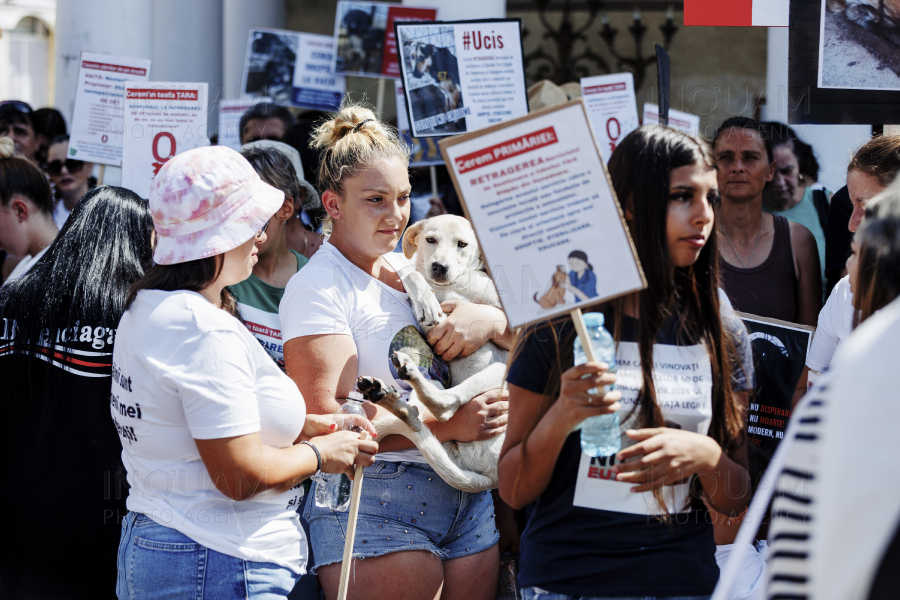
x: 526, y: 466
x: 579, y: 295
x: 665, y: 456
x: 324, y: 368
x: 468, y: 327
x: 809, y: 274
x: 243, y: 466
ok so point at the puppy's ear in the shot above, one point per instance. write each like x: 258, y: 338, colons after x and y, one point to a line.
x: 411, y: 238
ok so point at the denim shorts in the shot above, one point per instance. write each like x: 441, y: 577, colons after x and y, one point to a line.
x: 159, y: 562
x: 536, y: 593
x: 405, y: 506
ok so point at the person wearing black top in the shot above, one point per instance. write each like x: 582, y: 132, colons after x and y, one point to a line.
x: 63, y: 487
x: 633, y: 524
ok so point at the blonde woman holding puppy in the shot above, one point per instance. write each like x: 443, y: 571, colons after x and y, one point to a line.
x: 343, y: 315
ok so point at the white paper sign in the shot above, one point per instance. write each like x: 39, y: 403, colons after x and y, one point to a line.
x: 461, y: 76
x: 683, y: 379
x: 97, y: 121
x: 612, y: 108
x: 686, y: 122
x: 161, y: 120
x: 536, y: 190
x: 230, y: 113
x: 293, y: 68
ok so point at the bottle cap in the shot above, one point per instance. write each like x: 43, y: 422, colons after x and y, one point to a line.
x: 594, y: 319
x: 357, y: 396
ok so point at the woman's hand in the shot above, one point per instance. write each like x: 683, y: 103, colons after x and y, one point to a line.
x: 575, y: 404
x: 316, y: 425
x: 665, y: 456
x: 468, y: 327
x: 481, y: 418
x: 342, y: 450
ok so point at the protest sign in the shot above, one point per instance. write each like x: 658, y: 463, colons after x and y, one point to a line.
x: 364, y: 36
x: 230, y: 113
x: 161, y: 120
x: 97, y: 121
x: 292, y: 68
x: 779, y: 355
x: 423, y: 151
x: 537, y: 192
x: 463, y: 75
x: 686, y: 122
x: 612, y: 107
x: 737, y: 13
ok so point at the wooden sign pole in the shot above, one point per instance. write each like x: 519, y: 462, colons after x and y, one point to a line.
x: 351, y: 527
x: 581, y: 330
x: 434, y: 186
x: 379, y: 99
x: 101, y: 174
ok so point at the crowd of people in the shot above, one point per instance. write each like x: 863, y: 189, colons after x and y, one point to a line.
x: 173, y: 365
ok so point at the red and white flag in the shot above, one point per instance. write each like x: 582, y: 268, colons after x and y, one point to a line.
x: 737, y: 13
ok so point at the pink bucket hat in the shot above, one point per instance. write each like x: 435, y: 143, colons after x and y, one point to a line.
x: 207, y: 201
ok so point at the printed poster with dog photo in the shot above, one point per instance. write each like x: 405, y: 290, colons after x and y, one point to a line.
x: 545, y: 213
x: 461, y: 76
x: 364, y: 36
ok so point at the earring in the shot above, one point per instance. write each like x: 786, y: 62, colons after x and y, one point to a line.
x: 728, y: 521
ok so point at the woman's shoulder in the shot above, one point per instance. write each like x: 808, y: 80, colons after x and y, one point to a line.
x: 181, y: 310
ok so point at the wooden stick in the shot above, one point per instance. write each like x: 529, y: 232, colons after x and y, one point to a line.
x: 434, y: 188
x: 101, y: 174
x: 581, y: 329
x: 379, y: 99
x: 351, y: 526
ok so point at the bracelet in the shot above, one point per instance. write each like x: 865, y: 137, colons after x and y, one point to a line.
x: 318, y: 457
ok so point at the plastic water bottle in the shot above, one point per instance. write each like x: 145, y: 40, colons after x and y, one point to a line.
x: 600, y: 435
x: 333, y: 490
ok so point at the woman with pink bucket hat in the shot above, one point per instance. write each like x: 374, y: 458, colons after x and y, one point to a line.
x: 216, y: 440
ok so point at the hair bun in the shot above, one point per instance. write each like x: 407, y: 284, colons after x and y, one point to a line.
x: 351, y: 118
x: 7, y: 148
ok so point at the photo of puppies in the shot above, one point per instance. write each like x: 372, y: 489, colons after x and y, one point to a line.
x: 431, y: 74
x: 360, y: 34
x: 269, y: 69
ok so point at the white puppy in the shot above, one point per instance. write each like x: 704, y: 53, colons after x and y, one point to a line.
x: 449, y: 266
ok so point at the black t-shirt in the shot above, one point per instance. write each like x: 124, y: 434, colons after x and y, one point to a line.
x: 590, y: 536
x: 837, y: 237
x: 62, y: 486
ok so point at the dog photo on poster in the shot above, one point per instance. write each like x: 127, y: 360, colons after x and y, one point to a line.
x: 461, y: 76
x: 859, y: 44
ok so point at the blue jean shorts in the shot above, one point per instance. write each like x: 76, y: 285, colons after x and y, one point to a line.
x: 405, y: 506
x: 159, y: 562
x: 536, y: 593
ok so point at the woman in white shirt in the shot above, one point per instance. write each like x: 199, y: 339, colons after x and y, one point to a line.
x: 342, y: 316
x: 26, y: 212
x: 215, y: 437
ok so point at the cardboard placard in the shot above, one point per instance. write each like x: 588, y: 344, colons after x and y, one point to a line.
x: 463, y: 75
x: 161, y: 120
x: 424, y: 152
x: 686, y: 122
x: 292, y: 68
x: 230, y: 113
x: 536, y: 190
x: 364, y: 36
x: 98, y: 119
x: 779, y: 355
x: 612, y: 107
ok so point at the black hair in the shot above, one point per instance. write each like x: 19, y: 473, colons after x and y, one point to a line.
x: 85, y: 273
x: 299, y: 137
x: 49, y: 123
x: 784, y: 135
x: 275, y: 168
x: 192, y: 275
x: 266, y: 110
x: 746, y: 123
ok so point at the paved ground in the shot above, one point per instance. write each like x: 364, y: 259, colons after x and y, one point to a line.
x: 849, y: 61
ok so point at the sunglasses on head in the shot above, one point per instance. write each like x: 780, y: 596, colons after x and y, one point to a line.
x: 54, y: 167
x: 16, y: 105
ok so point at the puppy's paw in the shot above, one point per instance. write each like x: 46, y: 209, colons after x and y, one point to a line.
x: 372, y: 388
x: 404, y: 365
x: 429, y: 312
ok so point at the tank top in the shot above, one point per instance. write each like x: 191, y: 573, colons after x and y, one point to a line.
x: 770, y: 289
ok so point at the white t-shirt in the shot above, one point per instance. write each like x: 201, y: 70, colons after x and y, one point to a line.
x: 184, y: 370
x: 25, y: 265
x: 331, y: 295
x: 750, y: 583
x: 60, y: 214
x: 835, y: 324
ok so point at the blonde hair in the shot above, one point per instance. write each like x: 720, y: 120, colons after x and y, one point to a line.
x: 349, y: 141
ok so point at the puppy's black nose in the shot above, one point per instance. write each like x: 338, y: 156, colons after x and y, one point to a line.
x: 438, y: 270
